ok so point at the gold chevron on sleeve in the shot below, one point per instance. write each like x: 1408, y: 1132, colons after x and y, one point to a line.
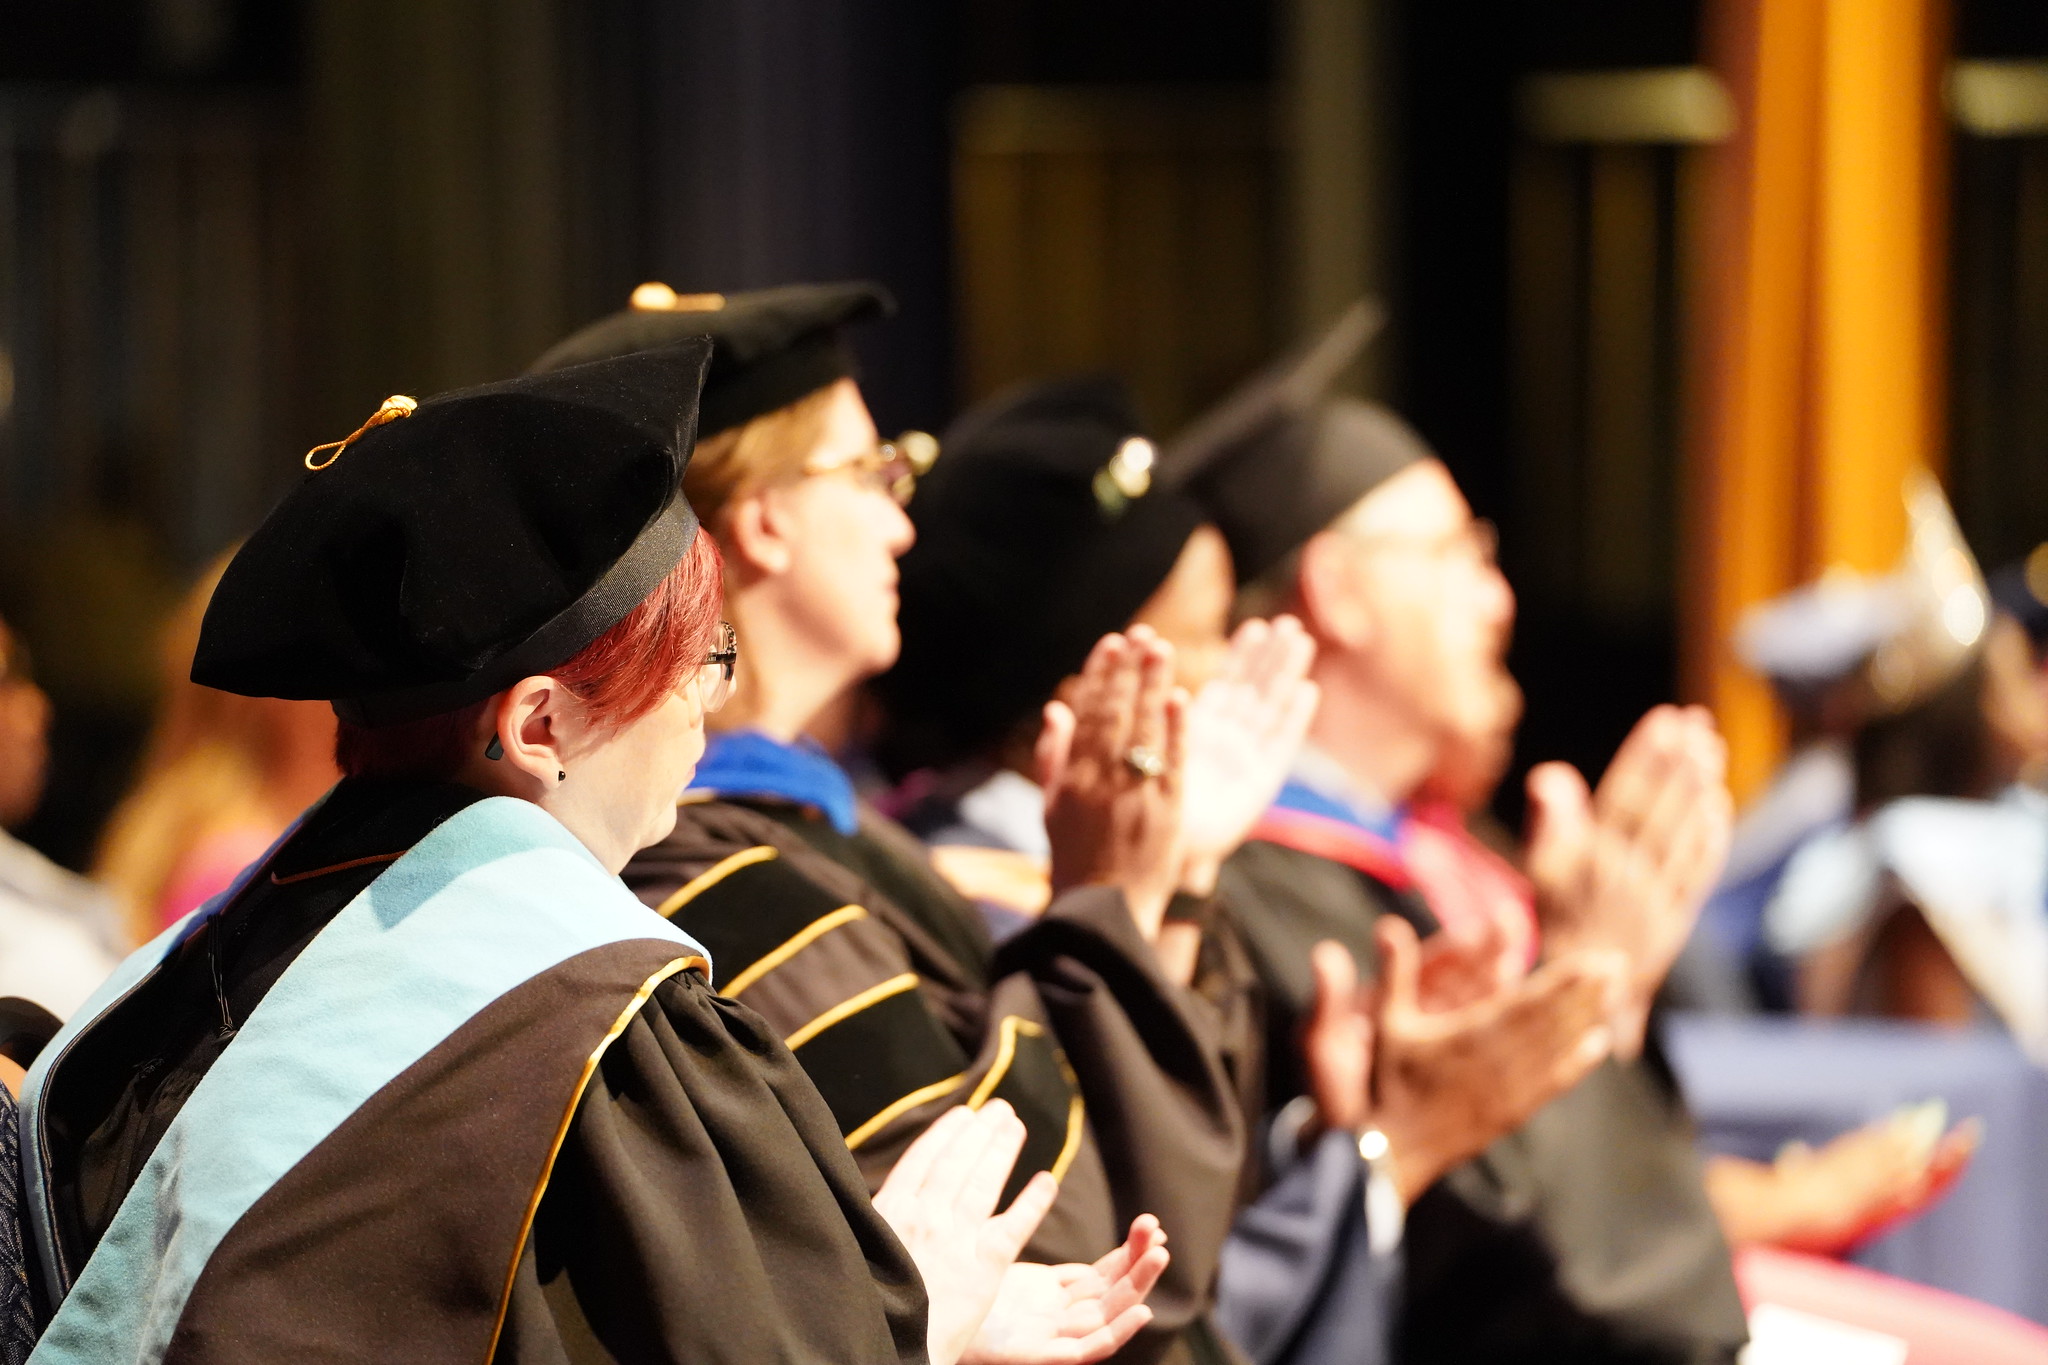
x: 790, y: 947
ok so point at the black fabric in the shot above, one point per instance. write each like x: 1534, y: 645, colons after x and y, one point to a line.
x: 771, y: 346
x: 1027, y: 553
x: 126, y: 1078
x: 1080, y: 1014
x: 17, y: 1303
x: 25, y: 1027
x: 1279, y: 459
x: 493, y: 533
x: 1583, y: 1236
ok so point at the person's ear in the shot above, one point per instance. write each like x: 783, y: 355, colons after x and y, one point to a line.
x: 1334, y: 604
x: 758, y: 535
x: 533, y: 722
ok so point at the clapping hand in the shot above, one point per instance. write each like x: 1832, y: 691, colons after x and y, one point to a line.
x: 1442, y: 1084
x: 1244, y: 730
x: 1111, y: 760
x: 1071, y: 1314
x: 1628, y: 867
x: 984, y: 1307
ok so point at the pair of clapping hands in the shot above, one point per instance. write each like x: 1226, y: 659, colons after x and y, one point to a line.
x: 1148, y: 789
x: 986, y: 1307
x: 1455, y: 1045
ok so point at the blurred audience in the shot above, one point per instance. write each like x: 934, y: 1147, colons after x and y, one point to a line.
x: 57, y: 937
x: 1928, y: 905
x: 220, y: 778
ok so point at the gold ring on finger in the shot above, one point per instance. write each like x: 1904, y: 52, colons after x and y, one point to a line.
x: 1145, y: 761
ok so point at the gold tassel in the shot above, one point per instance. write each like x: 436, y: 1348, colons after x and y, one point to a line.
x: 390, y: 410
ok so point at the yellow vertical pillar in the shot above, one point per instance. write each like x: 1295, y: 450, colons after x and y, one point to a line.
x: 1877, y: 372
x: 1821, y: 344
x: 1753, y: 356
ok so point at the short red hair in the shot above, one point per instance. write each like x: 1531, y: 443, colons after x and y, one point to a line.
x: 620, y: 676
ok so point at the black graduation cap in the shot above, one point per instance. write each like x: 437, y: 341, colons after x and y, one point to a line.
x: 451, y: 547
x: 1043, y: 529
x: 774, y: 346
x: 1279, y: 459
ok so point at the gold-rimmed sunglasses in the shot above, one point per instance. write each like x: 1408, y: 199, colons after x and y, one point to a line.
x: 893, y: 467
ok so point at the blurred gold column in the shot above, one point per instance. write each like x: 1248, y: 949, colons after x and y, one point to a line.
x: 1819, y: 383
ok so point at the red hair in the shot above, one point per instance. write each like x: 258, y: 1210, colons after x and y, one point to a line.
x: 620, y: 676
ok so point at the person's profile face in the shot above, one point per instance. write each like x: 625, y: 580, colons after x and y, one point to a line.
x: 1442, y: 611
x: 849, y: 533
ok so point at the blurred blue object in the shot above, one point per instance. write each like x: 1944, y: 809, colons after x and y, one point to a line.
x: 1755, y: 1084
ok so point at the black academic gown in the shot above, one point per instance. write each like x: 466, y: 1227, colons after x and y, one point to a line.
x: 695, y: 1204
x: 884, y: 984
x: 1585, y: 1236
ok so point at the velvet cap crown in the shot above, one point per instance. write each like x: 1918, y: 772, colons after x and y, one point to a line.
x: 1037, y: 534
x: 442, y: 556
x: 1279, y: 459
x: 771, y: 346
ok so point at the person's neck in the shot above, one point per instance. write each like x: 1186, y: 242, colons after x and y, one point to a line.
x: 1384, y: 754
x: 788, y: 680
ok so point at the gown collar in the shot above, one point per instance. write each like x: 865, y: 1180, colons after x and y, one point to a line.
x: 747, y: 763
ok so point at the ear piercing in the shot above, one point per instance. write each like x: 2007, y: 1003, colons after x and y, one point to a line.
x: 495, y: 751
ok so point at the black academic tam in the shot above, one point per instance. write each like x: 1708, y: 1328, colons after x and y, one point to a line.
x: 451, y: 547
x: 771, y: 346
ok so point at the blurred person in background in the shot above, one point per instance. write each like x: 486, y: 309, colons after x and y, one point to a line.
x: 220, y: 778
x: 1811, y: 644
x: 1588, y: 1233
x: 56, y: 929
x: 1930, y: 903
x: 827, y: 918
x: 1048, y: 520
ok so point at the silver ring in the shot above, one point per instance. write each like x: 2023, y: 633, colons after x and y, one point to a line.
x: 1145, y: 761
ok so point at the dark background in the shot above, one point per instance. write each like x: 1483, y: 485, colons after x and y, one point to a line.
x: 228, y: 229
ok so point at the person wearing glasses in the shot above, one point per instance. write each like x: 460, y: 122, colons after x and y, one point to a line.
x: 428, y: 1083
x: 829, y: 919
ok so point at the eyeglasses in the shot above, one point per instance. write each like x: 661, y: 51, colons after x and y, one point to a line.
x: 1477, y: 540
x: 715, y: 674
x: 892, y: 468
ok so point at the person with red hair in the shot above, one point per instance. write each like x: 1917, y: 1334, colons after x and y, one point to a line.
x: 428, y: 1083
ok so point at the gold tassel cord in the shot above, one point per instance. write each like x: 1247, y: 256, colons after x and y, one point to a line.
x: 390, y: 410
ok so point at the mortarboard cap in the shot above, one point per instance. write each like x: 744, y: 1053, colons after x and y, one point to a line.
x: 1044, y: 528
x: 1820, y: 633
x: 772, y: 346
x: 1279, y: 459
x: 449, y: 548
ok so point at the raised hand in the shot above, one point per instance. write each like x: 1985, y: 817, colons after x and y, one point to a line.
x: 1244, y: 728
x: 941, y: 1200
x: 1443, y: 1084
x: 1628, y: 867
x: 1073, y: 1314
x: 1111, y: 760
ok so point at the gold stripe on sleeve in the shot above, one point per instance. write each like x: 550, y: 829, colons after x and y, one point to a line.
x: 895, y: 985
x: 922, y: 1095
x: 790, y: 947
x: 703, y: 881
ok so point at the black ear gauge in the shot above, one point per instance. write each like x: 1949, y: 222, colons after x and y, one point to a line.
x: 494, y: 750
x: 561, y: 776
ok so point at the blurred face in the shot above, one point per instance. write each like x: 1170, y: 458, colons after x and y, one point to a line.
x: 1191, y: 609
x: 844, y: 532
x: 1423, y: 610
x: 24, y: 735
